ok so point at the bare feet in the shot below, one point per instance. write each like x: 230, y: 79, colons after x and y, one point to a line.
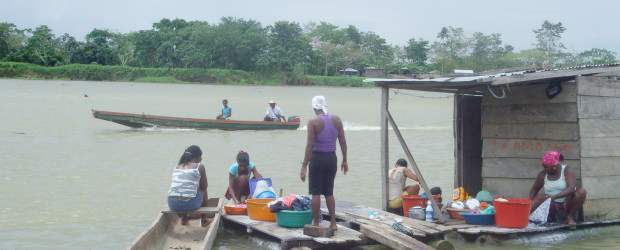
x: 333, y: 226
x: 204, y: 221
x: 184, y: 220
x: 569, y: 221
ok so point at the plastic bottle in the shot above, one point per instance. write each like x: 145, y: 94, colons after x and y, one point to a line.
x: 373, y: 215
x: 429, y: 211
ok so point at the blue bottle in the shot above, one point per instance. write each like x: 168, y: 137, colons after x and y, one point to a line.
x: 429, y: 211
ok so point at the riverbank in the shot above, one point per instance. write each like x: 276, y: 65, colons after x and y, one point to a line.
x: 93, y: 72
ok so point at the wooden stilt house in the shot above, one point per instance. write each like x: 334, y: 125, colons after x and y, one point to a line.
x: 503, y: 123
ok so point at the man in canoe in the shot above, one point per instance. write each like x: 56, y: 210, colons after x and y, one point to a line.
x: 188, y: 189
x: 321, y: 155
x: 239, y: 174
x: 226, y: 112
x: 558, y: 183
x: 274, y: 113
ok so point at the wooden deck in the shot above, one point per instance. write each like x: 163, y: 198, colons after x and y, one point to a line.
x: 356, y: 215
x: 294, y: 237
x: 476, y: 230
x: 356, y: 229
x: 422, y: 230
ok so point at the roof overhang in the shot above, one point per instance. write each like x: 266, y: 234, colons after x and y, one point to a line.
x: 475, y: 84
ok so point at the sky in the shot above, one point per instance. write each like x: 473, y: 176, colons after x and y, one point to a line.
x: 590, y: 24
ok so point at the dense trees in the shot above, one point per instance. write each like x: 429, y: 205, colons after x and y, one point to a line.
x: 287, y: 47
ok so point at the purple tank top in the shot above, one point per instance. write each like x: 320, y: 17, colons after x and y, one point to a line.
x: 325, y: 141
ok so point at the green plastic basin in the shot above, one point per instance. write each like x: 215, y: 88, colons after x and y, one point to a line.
x: 294, y: 219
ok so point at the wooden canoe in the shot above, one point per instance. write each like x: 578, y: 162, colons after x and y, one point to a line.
x: 146, y: 121
x: 168, y: 233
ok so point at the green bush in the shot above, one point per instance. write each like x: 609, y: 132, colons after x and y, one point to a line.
x: 94, y: 72
x: 344, y: 81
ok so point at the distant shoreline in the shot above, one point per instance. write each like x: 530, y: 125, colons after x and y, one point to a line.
x: 94, y: 72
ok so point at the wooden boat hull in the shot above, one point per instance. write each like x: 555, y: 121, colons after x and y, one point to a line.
x: 146, y: 121
x: 168, y: 233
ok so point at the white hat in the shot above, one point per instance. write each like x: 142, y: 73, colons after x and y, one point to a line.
x: 271, y: 101
x: 319, y: 103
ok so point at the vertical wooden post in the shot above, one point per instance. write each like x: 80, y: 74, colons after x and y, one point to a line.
x: 385, y: 97
x: 414, y: 166
x: 458, y: 175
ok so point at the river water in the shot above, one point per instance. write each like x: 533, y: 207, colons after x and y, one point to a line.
x: 70, y: 181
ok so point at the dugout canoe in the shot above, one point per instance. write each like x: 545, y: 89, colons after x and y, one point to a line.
x: 167, y: 232
x: 147, y: 121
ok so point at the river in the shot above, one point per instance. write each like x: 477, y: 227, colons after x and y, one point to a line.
x: 70, y: 181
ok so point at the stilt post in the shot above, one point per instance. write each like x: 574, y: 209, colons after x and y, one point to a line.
x: 385, y: 98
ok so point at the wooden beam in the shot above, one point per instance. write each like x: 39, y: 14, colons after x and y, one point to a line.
x: 386, y: 235
x: 414, y: 165
x: 385, y: 98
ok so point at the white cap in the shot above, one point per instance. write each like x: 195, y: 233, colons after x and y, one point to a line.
x: 319, y: 103
x: 271, y: 101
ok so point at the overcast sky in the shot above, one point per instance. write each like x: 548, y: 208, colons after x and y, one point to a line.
x: 592, y: 23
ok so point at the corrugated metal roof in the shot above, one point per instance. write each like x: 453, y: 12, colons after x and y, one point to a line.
x: 517, y: 77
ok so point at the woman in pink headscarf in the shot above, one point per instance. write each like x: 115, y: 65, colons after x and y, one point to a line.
x: 559, y: 183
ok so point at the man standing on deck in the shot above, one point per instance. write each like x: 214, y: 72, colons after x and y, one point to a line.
x: 274, y: 113
x: 320, y: 153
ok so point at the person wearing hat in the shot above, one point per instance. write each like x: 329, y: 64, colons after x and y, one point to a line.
x: 558, y: 183
x: 274, y: 113
x: 320, y: 155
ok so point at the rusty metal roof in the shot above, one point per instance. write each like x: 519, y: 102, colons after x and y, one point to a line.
x: 456, y: 84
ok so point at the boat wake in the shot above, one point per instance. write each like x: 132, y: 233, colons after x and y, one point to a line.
x: 350, y: 126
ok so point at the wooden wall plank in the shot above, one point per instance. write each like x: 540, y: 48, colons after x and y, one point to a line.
x: 518, y: 148
x: 600, y: 147
x: 598, y: 86
x: 595, y: 107
x: 601, y: 187
x: 602, y: 208
x: 589, y: 128
x: 513, y: 188
x: 545, y: 130
x: 519, y: 168
x: 600, y: 166
x: 534, y: 94
x: 523, y: 113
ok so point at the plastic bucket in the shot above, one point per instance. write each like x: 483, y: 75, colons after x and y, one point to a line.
x: 410, y: 201
x: 294, y: 219
x: 258, y: 210
x: 234, y: 210
x: 478, y: 219
x: 456, y: 213
x: 512, y: 214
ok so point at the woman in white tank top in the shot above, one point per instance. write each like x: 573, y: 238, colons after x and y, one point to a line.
x: 558, y: 183
x: 188, y: 188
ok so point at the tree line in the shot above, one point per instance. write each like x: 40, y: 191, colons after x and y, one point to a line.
x: 289, y: 47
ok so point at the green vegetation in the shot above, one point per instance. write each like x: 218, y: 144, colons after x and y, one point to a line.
x: 246, y: 52
x: 157, y: 79
x: 92, y: 72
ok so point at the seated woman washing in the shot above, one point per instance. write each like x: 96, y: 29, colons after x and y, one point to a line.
x: 188, y: 190
x: 239, y: 174
x: 559, y: 183
x: 397, y: 178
